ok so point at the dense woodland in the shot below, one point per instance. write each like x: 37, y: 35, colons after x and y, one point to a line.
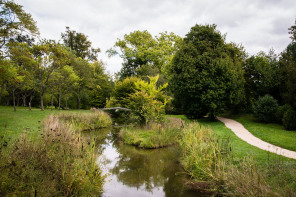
x: 200, y: 74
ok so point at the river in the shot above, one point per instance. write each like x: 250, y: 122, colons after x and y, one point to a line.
x: 136, y: 172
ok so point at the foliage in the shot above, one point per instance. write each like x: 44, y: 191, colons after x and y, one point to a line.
x: 265, y: 108
x: 122, y: 90
x: 60, y: 159
x: 289, y: 119
x: 206, y: 73
x: 281, y: 112
x: 144, y: 54
x: 261, y: 75
x: 14, y: 22
x: 148, y: 101
x: 79, y: 43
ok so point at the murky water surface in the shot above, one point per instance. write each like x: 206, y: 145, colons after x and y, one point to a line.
x: 137, y: 172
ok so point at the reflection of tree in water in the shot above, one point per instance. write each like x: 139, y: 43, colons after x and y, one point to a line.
x: 149, y: 168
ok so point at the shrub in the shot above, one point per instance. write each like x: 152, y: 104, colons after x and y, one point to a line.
x: 265, y: 108
x: 289, y: 119
x: 281, y: 112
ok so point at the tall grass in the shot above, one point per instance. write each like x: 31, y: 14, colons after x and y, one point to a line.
x: 208, y: 160
x: 57, y: 163
x: 87, y: 121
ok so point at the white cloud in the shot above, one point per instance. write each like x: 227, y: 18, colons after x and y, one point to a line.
x: 257, y: 24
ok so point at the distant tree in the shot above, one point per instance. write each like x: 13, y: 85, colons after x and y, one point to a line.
x: 288, y: 71
x: 49, y: 56
x: 144, y: 54
x: 100, y: 85
x: 206, y: 73
x: 79, y: 43
x: 261, y: 76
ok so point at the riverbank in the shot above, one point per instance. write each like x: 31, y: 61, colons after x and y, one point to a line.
x: 51, y: 158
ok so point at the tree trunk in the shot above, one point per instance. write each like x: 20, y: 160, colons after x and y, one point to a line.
x: 59, y: 101
x: 18, y: 101
x: 24, y: 101
x: 41, y: 102
x: 13, y: 99
x: 66, y: 102
x: 2, y: 90
x: 78, y: 102
x: 51, y: 101
x: 30, y: 106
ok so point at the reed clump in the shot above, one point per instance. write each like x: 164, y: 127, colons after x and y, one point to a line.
x: 59, y: 162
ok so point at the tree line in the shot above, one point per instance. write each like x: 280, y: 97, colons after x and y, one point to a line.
x: 48, y: 73
x: 203, y: 74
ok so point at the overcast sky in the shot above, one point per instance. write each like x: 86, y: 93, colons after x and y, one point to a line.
x: 258, y: 25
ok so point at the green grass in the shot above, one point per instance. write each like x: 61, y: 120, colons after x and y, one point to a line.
x: 272, y: 133
x: 156, y: 136
x: 22, y: 120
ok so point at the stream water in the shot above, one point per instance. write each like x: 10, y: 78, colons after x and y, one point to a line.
x: 132, y: 171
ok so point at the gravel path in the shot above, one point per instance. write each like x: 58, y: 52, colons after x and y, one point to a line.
x: 245, y: 135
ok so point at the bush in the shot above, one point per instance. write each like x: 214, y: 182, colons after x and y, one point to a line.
x: 289, y: 119
x: 281, y: 112
x: 265, y: 108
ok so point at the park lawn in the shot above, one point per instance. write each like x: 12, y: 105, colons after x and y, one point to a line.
x: 269, y: 132
x: 13, y: 123
x: 240, y: 148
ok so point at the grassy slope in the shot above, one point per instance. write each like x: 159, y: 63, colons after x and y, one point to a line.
x: 240, y: 148
x: 24, y: 120
x: 272, y: 133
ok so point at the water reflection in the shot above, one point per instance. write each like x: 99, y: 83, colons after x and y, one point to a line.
x: 138, y: 172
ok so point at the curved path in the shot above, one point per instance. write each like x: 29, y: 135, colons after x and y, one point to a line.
x: 245, y: 135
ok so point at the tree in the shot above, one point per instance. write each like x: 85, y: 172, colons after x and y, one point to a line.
x: 7, y: 73
x: 287, y: 65
x: 14, y: 22
x: 100, y: 86
x: 206, y: 73
x: 49, y: 56
x: 148, y: 101
x: 79, y: 43
x: 261, y: 76
x: 144, y: 54
x: 21, y: 55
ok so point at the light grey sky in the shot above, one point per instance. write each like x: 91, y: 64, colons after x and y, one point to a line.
x: 258, y: 25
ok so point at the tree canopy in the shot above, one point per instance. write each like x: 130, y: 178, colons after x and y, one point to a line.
x: 207, y: 74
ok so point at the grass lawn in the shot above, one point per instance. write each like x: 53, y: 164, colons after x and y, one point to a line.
x: 272, y: 133
x: 240, y: 148
x: 13, y: 123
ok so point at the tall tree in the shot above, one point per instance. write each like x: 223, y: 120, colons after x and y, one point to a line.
x: 144, y: 54
x: 14, y: 22
x: 288, y: 70
x: 262, y: 76
x: 207, y: 75
x: 49, y: 57
x: 79, y: 43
